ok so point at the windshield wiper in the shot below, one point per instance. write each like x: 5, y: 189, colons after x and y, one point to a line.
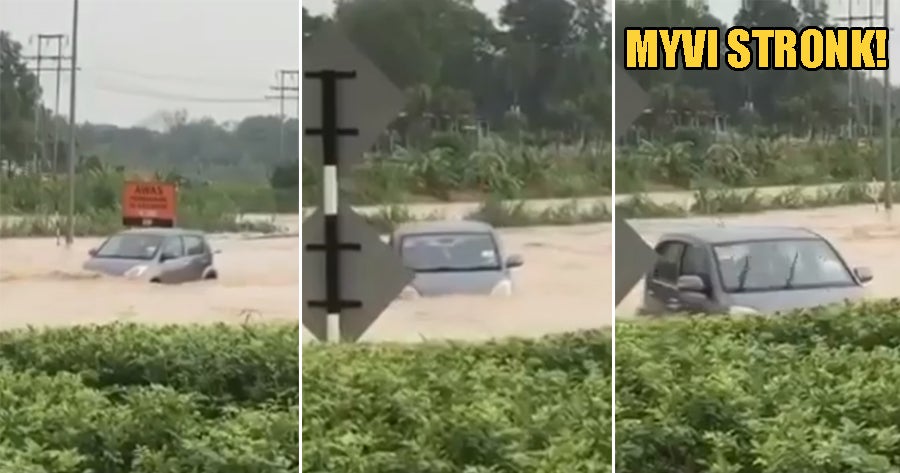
x: 742, y: 277
x: 790, y: 278
x: 452, y: 269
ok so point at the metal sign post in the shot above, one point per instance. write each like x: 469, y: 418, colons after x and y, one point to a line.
x: 633, y: 256
x: 330, y: 133
x: 346, y: 284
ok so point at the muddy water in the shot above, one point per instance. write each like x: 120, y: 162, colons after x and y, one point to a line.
x: 564, y: 285
x: 42, y: 284
x: 865, y: 236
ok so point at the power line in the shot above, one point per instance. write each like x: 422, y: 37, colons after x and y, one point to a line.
x: 164, y: 77
x: 136, y: 92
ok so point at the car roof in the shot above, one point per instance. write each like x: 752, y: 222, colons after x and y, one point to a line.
x: 161, y: 231
x: 737, y: 233
x: 442, y: 226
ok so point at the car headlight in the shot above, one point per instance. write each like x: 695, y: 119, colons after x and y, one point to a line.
x: 136, y: 271
x: 741, y: 310
x: 409, y: 292
x: 503, y: 288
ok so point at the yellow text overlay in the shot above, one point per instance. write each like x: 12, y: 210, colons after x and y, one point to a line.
x: 740, y: 48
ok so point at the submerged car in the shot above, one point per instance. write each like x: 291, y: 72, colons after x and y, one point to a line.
x: 158, y: 255
x: 454, y: 257
x: 748, y: 270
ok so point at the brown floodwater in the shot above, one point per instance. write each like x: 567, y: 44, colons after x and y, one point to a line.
x: 564, y: 285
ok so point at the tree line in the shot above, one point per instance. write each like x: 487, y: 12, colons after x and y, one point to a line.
x: 191, y: 148
x: 779, y: 102
x: 538, y: 71
x: 541, y: 71
x: 544, y: 66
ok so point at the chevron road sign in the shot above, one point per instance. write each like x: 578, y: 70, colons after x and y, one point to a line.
x: 349, y: 275
x: 633, y: 257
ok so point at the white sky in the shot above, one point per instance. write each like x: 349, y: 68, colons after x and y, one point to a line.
x: 140, y: 57
x: 724, y: 9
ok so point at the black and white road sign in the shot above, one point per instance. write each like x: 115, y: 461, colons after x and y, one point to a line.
x: 633, y: 257
x: 367, y: 102
x: 371, y: 275
x: 349, y: 275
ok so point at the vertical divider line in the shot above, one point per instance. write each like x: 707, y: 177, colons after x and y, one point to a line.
x: 300, y: 249
x: 612, y: 211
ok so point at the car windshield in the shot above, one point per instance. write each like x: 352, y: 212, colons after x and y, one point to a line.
x: 781, y: 265
x: 130, y: 246
x: 450, y: 252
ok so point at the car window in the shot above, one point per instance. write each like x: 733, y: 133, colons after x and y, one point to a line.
x: 450, y: 252
x: 173, y: 247
x: 694, y: 262
x: 667, y: 266
x: 194, y: 246
x: 781, y: 265
x: 130, y: 246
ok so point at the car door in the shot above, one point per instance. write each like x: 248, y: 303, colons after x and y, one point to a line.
x: 660, y: 290
x: 175, y: 269
x: 696, y: 261
x: 198, y: 256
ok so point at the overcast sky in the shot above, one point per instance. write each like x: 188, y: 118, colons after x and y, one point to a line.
x: 723, y: 9
x: 215, y: 58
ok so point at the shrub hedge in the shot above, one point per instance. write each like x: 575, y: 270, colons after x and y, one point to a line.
x: 508, y: 406
x: 813, y: 391
x: 131, y: 398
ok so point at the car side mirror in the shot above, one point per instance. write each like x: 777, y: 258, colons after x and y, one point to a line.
x: 691, y: 283
x: 514, y: 261
x: 92, y: 252
x: 166, y: 257
x: 863, y: 274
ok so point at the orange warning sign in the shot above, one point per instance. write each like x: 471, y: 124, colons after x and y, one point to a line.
x: 148, y: 201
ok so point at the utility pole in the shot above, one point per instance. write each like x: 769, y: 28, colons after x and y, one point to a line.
x: 870, y: 79
x: 852, y: 104
x: 888, y: 125
x: 40, y: 135
x: 282, y: 88
x: 38, y: 108
x: 58, y: 58
x: 59, y: 38
x: 73, y: 144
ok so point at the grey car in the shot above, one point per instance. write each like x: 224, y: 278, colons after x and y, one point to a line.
x: 158, y: 255
x: 454, y: 257
x: 748, y: 270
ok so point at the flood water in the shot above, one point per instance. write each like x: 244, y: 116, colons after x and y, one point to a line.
x: 564, y: 285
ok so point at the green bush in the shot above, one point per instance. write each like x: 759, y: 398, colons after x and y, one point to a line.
x: 255, y: 364
x: 452, y: 170
x: 690, y: 159
x: 505, y: 406
x: 815, y: 390
x: 101, y: 191
x: 126, y: 398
